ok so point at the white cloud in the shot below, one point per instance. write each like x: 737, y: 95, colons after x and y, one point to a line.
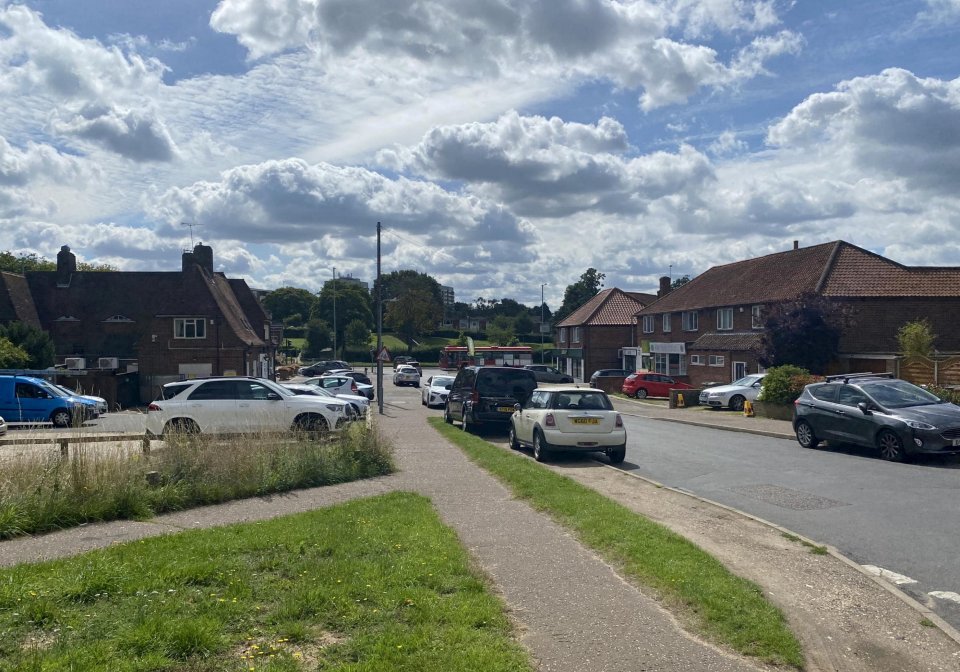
x: 133, y: 134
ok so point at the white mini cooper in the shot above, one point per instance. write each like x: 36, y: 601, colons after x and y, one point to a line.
x: 571, y: 419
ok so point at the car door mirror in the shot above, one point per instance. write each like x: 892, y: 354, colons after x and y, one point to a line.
x: 273, y: 396
x: 447, y: 386
x: 864, y: 408
x: 516, y: 407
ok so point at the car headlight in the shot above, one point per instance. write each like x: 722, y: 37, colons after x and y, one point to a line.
x: 334, y: 408
x: 916, y: 424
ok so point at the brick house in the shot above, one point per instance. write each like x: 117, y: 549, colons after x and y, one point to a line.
x: 593, y: 335
x: 157, y: 326
x: 710, y: 329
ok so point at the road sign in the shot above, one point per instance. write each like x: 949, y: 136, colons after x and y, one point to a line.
x: 384, y: 355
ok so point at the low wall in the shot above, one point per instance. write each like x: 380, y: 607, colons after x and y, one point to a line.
x: 690, y: 398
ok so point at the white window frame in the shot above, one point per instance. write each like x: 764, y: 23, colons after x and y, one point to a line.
x: 563, y: 334
x: 716, y: 360
x: 575, y: 336
x: 649, y: 325
x: 696, y: 360
x: 756, y: 317
x: 667, y: 322
x: 724, y: 319
x: 181, y: 331
x: 690, y: 320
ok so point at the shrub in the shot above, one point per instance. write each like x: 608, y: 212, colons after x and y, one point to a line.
x: 783, y: 384
x: 945, y: 393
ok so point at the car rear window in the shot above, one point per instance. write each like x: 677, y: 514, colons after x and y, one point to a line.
x: 173, y: 389
x: 505, y: 383
x: 595, y: 401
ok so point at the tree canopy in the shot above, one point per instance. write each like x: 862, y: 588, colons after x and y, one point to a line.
x: 24, y: 263
x: 577, y: 294
x: 412, y: 313
x: 804, y: 332
x: 36, y: 343
x: 288, y: 302
x: 353, y: 303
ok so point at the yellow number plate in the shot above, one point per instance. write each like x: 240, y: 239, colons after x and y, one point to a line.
x: 506, y: 409
x: 585, y: 421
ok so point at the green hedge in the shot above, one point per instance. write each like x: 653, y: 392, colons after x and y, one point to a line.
x: 783, y: 384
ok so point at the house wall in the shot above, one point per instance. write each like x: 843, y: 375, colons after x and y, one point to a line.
x: 874, y: 323
x: 601, y: 344
x: 707, y: 324
x: 703, y: 375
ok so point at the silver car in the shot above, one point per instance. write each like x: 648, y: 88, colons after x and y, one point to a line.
x: 733, y: 395
x: 436, y: 391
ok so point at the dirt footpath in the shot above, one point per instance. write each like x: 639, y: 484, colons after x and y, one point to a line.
x: 845, y: 620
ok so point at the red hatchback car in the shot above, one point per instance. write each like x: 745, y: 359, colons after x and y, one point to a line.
x: 644, y: 384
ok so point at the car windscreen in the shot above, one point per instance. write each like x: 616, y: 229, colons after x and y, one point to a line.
x: 504, y: 383
x: 899, y: 394
x: 442, y: 381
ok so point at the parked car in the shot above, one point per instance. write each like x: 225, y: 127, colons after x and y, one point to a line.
x: 897, y: 418
x: 406, y: 375
x: 643, y: 384
x: 604, y: 373
x: 485, y: 395
x: 240, y: 405
x: 548, y: 374
x: 359, y: 404
x: 436, y: 390
x: 733, y: 396
x: 100, y: 404
x: 29, y: 399
x: 571, y: 419
x: 335, y: 384
x: 319, y: 368
x: 365, y: 386
x: 3, y: 426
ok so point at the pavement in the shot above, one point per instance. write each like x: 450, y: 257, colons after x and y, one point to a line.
x: 571, y: 609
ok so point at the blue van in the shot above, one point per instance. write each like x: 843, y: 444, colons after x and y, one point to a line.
x: 28, y: 399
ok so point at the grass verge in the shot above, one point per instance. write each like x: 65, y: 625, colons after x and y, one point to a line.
x: 725, y: 608
x: 374, y: 584
x: 40, y: 492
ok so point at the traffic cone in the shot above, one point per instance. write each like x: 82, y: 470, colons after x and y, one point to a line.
x: 748, y: 409
x: 680, y: 403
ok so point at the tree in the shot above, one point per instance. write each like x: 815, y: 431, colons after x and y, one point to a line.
x: 357, y: 333
x: 680, y: 282
x: 398, y: 282
x: 523, y: 323
x: 412, y: 313
x: 353, y: 303
x: 25, y: 263
x: 34, y: 341
x: 318, y: 338
x: 916, y: 339
x: 12, y: 356
x: 804, y: 332
x: 500, y: 330
x: 288, y: 302
x: 577, y: 294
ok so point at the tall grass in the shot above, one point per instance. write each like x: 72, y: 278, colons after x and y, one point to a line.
x: 40, y: 492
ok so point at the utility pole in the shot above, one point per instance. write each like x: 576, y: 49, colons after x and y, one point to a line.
x: 542, y: 285
x: 379, y: 328
x: 334, y: 286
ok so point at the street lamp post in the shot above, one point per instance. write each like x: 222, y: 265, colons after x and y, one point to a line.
x: 334, y: 312
x: 542, y: 285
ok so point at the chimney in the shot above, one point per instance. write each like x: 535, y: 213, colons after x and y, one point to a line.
x: 796, y: 244
x: 66, y: 266
x: 664, y: 286
x: 202, y: 256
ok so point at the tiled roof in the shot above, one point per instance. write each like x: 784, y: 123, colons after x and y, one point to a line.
x: 611, y: 307
x: 16, y: 304
x: 836, y: 269
x: 744, y: 340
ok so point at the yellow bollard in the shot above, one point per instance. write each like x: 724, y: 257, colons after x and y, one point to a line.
x: 748, y: 409
x: 680, y: 403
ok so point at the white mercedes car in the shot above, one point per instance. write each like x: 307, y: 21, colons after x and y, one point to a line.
x: 733, y: 395
x: 571, y: 419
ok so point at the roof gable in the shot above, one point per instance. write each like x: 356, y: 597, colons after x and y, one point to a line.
x: 610, y: 307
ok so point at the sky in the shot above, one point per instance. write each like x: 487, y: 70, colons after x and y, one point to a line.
x: 505, y: 145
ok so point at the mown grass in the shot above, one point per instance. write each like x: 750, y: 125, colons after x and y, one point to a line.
x: 40, y: 492
x: 375, y: 584
x: 725, y: 608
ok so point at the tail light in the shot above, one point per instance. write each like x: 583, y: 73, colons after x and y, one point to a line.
x: 549, y: 421
x: 619, y: 421
x: 353, y: 387
x: 153, y: 407
x: 475, y: 397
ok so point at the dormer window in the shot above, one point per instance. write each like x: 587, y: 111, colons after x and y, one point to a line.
x: 118, y: 318
x: 67, y: 318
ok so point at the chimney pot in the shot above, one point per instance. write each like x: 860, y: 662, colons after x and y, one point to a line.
x: 796, y: 244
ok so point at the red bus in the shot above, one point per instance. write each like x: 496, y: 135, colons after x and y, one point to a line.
x: 457, y: 356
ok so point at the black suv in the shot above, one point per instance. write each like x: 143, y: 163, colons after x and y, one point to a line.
x: 898, y: 418
x: 602, y: 373
x: 486, y: 395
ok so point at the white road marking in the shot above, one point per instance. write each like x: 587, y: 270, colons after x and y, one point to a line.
x: 945, y: 595
x: 893, y: 577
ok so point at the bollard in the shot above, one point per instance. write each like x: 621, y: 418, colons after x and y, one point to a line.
x: 748, y: 409
x: 680, y: 402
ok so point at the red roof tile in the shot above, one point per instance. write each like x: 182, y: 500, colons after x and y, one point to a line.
x: 610, y: 307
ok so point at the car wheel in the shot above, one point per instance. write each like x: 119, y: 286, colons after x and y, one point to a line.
x: 464, y: 422
x: 540, y: 450
x: 805, y: 435
x: 447, y: 418
x: 736, y: 403
x: 640, y: 393
x: 423, y: 402
x: 890, y: 445
x: 617, y: 454
x: 61, y: 417
x: 512, y: 438
x: 312, y: 424
x: 181, y: 427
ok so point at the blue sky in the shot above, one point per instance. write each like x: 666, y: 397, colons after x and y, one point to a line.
x: 502, y: 143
